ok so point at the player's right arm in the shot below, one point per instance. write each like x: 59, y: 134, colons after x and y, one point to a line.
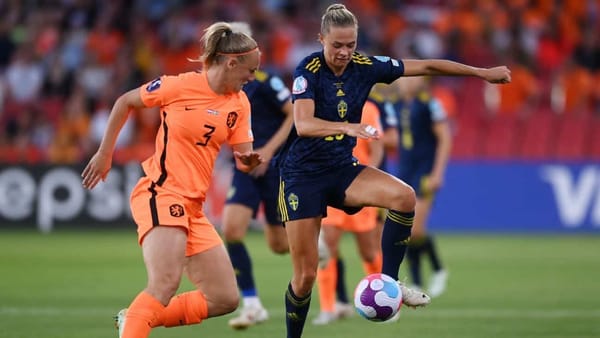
x: 307, y: 125
x: 99, y: 165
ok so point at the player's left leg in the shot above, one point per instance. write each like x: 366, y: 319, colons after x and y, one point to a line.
x: 377, y: 188
x: 208, y: 267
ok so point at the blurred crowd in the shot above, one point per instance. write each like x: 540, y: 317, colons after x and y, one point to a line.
x: 64, y: 62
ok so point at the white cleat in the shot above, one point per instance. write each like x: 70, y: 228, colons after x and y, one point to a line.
x: 325, y: 318
x: 344, y: 310
x: 437, y: 284
x: 249, y: 316
x: 120, y: 321
x: 413, y: 298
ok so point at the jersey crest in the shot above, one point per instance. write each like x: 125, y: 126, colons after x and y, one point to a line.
x: 231, y: 119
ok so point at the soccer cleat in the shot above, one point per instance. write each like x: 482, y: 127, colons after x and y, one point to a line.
x: 249, y: 316
x: 413, y: 298
x: 343, y: 310
x: 437, y: 284
x: 120, y: 321
x: 325, y: 318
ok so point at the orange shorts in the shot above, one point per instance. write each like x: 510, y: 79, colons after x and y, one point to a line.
x: 152, y: 205
x: 362, y: 221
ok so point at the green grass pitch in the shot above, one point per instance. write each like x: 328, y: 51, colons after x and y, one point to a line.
x: 70, y: 284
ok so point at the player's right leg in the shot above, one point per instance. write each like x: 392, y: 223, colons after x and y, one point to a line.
x: 163, y: 249
x: 164, y: 254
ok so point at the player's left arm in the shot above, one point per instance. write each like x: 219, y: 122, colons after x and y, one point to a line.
x: 500, y: 74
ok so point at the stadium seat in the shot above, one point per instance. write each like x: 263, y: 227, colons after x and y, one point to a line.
x: 571, y: 136
x: 593, y: 149
x: 537, y: 133
x: 467, y: 134
x: 502, y: 137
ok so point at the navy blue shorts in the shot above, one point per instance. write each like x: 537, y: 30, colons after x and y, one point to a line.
x: 251, y: 191
x: 309, y: 196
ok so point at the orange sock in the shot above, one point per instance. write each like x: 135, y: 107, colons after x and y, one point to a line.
x: 374, y: 266
x: 184, y: 309
x: 142, y: 312
x: 326, y: 280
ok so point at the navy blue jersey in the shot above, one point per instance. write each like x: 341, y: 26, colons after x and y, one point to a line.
x: 267, y: 95
x: 338, y: 99
x: 418, y: 143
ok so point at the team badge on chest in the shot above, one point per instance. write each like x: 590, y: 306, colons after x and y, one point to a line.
x: 231, y: 119
x: 342, y: 109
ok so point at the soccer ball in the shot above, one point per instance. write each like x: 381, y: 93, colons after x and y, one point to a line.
x: 377, y: 297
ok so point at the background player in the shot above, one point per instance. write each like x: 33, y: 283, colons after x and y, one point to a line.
x: 199, y: 112
x: 271, y: 123
x: 425, y: 142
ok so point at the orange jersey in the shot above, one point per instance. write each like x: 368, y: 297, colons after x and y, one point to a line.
x: 370, y: 115
x: 195, y: 121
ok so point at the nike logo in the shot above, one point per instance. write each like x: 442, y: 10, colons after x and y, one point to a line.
x: 189, y: 108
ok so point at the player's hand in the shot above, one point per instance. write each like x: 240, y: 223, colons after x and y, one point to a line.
x: 266, y: 155
x: 248, y: 160
x: 364, y: 131
x: 499, y: 74
x: 96, y: 170
x: 432, y: 183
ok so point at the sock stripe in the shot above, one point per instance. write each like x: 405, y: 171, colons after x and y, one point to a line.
x: 407, y: 221
x: 295, y: 300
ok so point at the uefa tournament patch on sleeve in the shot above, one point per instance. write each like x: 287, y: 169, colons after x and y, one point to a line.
x: 299, y: 85
x: 382, y: 58
x: 154, y: 85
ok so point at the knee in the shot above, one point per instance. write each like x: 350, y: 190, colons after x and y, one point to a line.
x: 231, y: 302
x: 368, y: 255
x: 305, y: 282
x: 165, y: 287
x: 225, y: 303
x: 279, y: 247
x: 233, y: 233
x: 404, y: 199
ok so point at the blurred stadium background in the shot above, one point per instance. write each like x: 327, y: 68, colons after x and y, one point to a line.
x: 525, y: 155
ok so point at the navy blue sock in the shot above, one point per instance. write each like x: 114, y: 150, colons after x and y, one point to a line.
x: 240, y: 259
x: 429, y: 248
x: 394, y: 240
x: 340, y: 287
x: 413, y: 253
x: 296, y: 309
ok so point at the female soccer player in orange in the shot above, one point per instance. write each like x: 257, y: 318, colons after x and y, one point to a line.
x: 199, y: 112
